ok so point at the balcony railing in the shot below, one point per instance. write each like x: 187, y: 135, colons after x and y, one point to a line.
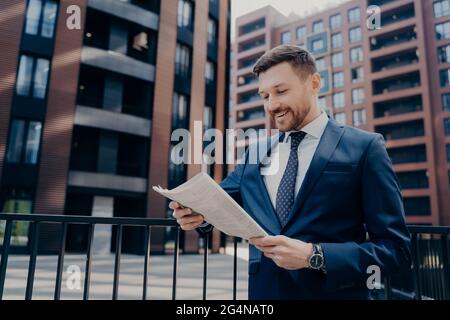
x: 36, y: 221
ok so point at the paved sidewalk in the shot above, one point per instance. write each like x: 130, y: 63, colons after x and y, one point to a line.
x: 189, y: 281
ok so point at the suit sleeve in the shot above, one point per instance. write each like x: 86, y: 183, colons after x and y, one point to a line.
x: 232, y: 185
x: 388, y: 246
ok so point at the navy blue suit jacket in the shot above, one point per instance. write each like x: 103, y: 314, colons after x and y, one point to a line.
x: 349, y: 201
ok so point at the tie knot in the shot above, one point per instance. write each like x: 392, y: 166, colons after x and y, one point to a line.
x: 296, y: 138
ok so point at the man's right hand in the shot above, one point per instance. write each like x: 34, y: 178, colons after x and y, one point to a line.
x: 186, y: 218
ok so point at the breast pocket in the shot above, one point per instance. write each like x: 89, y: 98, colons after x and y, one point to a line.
x: 337, y: 168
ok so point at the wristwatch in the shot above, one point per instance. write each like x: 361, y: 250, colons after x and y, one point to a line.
x: 316, y: 260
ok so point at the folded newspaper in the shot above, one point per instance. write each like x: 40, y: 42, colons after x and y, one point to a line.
x: 203, y: 195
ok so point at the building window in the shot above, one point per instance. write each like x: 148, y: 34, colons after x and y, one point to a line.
x: 340, y: 117
x: 446, y: 102
x: 445, y: 77
x: 338, y: 100
x: 185, y: 17
x: 182, y: 60
x: 317, y: 26
x: 357, y: 74
x: 354, y: 15
x: 320, y: 65
x: 448, y: 152
x: 301, y: 33
x: 209, y: 72
x: 357, y: 96
x: 286, y: 37
x: 335, y: 21
x: 41, y: 17
x: 337, y: 60
x: 355, y: 35
x: 15, y: 200
x: 336, y: 40
x: 208, y: 118
x: 322, y: 102
x: 356, y: 54
x: 317, y: 45
x: 443, y: 30
x: 212, y: 31
x: 441, y: 8
x: 359, y: 117
x: 338, y: 79
x: 32, y: 77
x: 24, y: 141
x: 444, y: 54
x: 447, y: 126
x: 180, y: 117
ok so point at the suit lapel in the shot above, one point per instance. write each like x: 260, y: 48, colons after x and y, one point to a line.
x: 327, y: 145
x: 269, y: 217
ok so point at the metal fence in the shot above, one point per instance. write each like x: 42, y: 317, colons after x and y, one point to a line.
x: 429, y: 276
x: 65, y: 220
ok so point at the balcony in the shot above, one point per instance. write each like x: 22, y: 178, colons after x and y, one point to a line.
x: 413, y: 179
x: 251, y: 44
x: 397, y: 14
x: 249, y: 96
x: 252, y: 26
x: 403, y: 130
x: 379, y: 2
x: 246, y: 79
x: 393, y: 38
x: 251, y: 114
x: 248, y: 62
x: 396, y: 60
x: 410, y: 154
x: 400, y: 106
x: 130, y: 11
x: 396, y: 83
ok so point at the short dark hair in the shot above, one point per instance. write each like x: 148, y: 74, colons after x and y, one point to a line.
x: 300, y: 59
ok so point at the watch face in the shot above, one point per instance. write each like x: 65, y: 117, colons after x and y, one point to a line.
x: 316, y: 261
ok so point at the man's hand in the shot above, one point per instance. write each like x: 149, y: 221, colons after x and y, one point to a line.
x: 186, y: 218
x: 287, y: 253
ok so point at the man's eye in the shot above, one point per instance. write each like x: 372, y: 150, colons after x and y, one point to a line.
x: 282, y: 91
x: 265, y: 97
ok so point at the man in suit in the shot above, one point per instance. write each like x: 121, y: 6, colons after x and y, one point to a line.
x: 333, y: 208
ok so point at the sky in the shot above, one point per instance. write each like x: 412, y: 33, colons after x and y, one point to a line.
x: 301, y: 7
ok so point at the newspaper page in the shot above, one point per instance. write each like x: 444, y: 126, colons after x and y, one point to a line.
x: 203, y: 195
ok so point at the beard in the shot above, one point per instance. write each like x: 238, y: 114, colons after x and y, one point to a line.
x: 298, y: 117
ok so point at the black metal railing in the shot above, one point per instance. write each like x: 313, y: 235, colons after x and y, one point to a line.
x: 429, y: 276
x: 37, y: 220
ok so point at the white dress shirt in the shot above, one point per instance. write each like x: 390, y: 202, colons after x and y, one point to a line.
x: 280, y: 156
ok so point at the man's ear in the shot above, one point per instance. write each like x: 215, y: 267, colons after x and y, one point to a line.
x: 316, y: 82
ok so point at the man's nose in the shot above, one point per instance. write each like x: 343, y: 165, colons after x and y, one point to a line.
x: 272, y: 104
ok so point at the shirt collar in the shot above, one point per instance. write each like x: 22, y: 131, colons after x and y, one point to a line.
x: 314, y: 129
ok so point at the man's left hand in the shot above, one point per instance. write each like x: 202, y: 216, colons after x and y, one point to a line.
x: 287, y: 253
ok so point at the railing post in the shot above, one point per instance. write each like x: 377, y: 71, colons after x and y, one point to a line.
x: 87, y: 277
x: 32, y: 264
x: 59, y: 271
x: 234, y: 267
x: 416, y: 266
x: 446, y: 266
x: 175, y: 263
x: 146, y: 261
x: 5, y: 255
x: 205, y: 262
x: 117, y: 261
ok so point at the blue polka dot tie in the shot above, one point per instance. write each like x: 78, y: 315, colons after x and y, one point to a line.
x: 286, y: 189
